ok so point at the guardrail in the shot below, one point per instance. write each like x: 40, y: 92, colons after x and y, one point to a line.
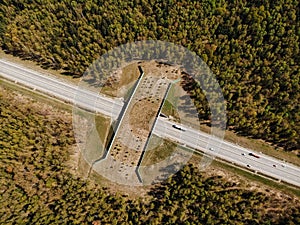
x: 150, y: 133
x: 122, y: 114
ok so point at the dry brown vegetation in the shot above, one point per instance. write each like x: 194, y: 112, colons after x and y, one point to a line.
x: 38, y: 188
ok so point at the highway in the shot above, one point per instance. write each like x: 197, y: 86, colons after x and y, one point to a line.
x: 238, y: 155
x: 83, y: 98
x: 188, y: 137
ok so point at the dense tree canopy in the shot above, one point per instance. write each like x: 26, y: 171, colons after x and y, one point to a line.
x: 37, y: 186
x: 251, y: 46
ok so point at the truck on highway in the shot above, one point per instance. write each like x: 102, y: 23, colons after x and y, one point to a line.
x: 252, y: 154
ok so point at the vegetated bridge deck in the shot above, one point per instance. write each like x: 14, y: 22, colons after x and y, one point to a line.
x: 133, y: 130
x: 137, y: 122
x: 121, y: 162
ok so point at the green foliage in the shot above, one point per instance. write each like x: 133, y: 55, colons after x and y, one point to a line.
x: 190, y: 198
x: 251, y: 46
x: 37, y: 187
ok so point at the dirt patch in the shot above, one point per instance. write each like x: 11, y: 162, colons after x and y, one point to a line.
x: 131, y: 136
x: 161, y: 69
x: 125, y: 154
x: 146, y: 109
x: 131, y: 192
x: 137, y: 121
x: 280, y: 200
x: 121, y: 80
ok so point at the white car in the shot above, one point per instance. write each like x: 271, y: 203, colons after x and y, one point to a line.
x: 212, y: 149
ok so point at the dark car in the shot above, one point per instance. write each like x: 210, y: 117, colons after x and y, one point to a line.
x: 178, y: 127
x: 163, y: 115
x: 251, y: 154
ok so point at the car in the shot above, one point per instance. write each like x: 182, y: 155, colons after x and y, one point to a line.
x: 248, y: 165
x: 178, y: 127
x: 243, y: 154
x: 251, y: 154
x: 282, y: 165
x: 163, y: 115
x: 212, y: 149
x: 274, y: 165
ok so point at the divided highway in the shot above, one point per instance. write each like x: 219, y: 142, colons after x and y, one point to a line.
x: 227, y: 151
x: 57, y: 88
x: 164, y: 128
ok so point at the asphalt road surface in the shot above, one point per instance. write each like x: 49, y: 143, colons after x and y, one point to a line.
x: 83, y: 98
x: 188, y: 137
x: 238, y: 155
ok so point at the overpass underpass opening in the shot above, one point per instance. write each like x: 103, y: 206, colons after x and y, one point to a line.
x: 132, y: 131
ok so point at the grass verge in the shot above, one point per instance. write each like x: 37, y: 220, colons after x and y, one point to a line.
x: 263, y: 147
x: 102, y: 126
x: 250, y: 176
x: 159, y: 150
x: 38, y: 96
x: 257, y: 145
x: 255, y: 177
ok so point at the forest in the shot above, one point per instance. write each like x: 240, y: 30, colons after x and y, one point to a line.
x: 39, y: 186
x: 251, y: 46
